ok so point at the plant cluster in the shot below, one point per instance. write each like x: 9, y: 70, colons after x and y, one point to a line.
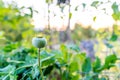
x: 67, y: 63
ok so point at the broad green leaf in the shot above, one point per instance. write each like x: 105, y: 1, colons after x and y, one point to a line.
x: 115, y: 16
x: 66, y: 75
x: 47, y: 62
x: 7, y: 68
x: 64, y: 51
x: 47, y: 59
x: 113, y: 37
x: 35, y: 72
x: 58, y: 54
x: 74, y: 67
x: 86, y: 66
x: 110, y: 61
x: 74, y: 47
x: 96, y: 64
x: 44, y: 55
x: 7, y: 72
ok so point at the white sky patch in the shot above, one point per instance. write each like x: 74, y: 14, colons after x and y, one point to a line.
x: 82, y: 16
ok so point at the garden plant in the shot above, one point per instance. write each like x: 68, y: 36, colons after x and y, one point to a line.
x: 82, y: 53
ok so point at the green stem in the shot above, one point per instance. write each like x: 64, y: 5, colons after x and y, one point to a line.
x: 41, y: 73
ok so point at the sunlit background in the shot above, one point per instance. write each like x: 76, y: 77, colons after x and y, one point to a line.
x: 83, y: 40
x: 82, y: 13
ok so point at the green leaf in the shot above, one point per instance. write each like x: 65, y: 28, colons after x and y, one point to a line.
x: 116, y: 16
x: 44, y: 54
x: 114, y: 37
x: 58, y: 54
x: 84, y: 5
x: 110, y: 61
x: 74, y: 47
x: 70, y: 15
x: 76, y: 8
x: 94, y: 18
x: 31, y: 11
x: 95, y: 4
x: 74, y: 67
x: 116, y: 12
x: 48, y: 70
x: 115, y: 7
x: 7, y: 72
x: 7, y: 68
x: 86, y: 66
x: 47, y: 59
x: 35, y: 72
x: 64, y: 51
x: 96, y: 64
x: 66, y: 75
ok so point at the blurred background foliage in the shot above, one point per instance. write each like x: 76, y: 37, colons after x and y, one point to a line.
x: 15, y: 25
x: 81, y: 53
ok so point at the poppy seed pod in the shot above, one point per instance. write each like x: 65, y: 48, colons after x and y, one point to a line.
x: 39, y: 42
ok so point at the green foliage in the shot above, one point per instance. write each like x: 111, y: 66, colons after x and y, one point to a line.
x: 86, y: 67
x: 94, y: 18
x: 96, y: 64
x: 8, y: 73
x: 15, y: 24
x: 21, y: 64
x: 81, y: 33
x: 109, y: 61
x: 115, y: 7
x: 49, y: 1
x: 95, y: 4
x: 113, y: 37
x: 70, y: 15
x: 84, y: 5
x: 116, y: 12
x: 109, y: 45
